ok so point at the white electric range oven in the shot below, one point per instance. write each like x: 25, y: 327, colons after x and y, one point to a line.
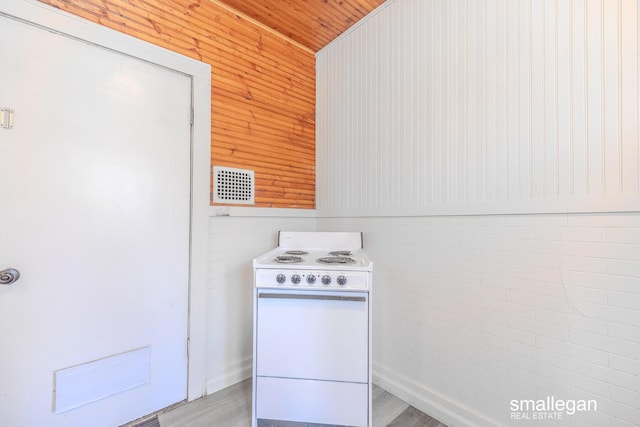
x: 312, y: 332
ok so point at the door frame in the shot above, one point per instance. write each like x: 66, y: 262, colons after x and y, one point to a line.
x: 63, y: 23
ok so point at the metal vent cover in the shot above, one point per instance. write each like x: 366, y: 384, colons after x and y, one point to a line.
x: 231, y: 185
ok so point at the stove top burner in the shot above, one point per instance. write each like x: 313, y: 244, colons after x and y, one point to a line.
x: 288, y: 259
x: 341, y: 253
x: 336, y: 260
x: 296, y: 253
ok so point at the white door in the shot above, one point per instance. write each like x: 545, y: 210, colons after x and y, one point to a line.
x: 94, y: 213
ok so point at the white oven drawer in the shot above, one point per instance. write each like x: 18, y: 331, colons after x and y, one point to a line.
x: 313, y: 335
x: 308, y: 401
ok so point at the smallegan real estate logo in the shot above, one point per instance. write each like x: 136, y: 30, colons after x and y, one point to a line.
x: 549, y: 408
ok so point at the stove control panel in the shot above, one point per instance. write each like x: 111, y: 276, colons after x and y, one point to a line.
x: 312, y: 279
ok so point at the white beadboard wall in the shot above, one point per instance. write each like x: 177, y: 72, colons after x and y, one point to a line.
x: 489, y: 151
x: 233, y: 243
x: 471, y: 312
x: 481, y: 106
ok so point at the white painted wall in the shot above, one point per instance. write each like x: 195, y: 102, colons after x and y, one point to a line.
x: 433, y: 112
x: 234, y: 241
x: 471, y: 312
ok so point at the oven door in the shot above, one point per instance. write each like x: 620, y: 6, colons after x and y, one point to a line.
x: 313, y: 335
x: 312, y: 357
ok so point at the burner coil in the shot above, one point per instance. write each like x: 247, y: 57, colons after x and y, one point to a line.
x: 288, y: 259
x: 336, y: 260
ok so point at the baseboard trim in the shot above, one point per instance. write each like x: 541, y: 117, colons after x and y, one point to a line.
x: 449, y: 412
x: 229, y: 375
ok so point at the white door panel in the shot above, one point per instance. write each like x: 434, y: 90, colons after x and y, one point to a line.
x: 95, y: 196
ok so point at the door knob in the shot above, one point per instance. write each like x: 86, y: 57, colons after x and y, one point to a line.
x: 9, y: 276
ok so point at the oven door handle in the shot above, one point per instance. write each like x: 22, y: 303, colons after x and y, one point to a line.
x: 313, y: 297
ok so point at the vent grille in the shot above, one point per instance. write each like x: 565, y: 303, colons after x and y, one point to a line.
x: 232, y: 185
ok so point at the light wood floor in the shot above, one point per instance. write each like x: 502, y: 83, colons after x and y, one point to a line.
x: 231, y: 407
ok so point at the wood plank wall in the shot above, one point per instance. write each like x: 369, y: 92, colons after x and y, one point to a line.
x: 263, y: 87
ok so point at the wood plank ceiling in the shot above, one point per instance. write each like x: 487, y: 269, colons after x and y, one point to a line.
x: 311, y: 23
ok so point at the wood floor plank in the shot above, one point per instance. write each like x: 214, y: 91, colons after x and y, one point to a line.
x: 149, y: 422
x: 386, y: 407
x: 412, y: 417
x: 231, y: 407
